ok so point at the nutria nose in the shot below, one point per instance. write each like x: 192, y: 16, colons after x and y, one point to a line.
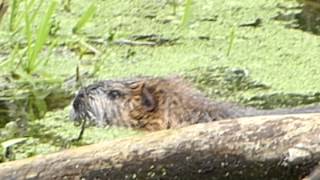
x: 77, y: 100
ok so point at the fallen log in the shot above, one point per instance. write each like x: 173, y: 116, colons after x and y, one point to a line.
x: 265, y: 147
x: 315, y: 174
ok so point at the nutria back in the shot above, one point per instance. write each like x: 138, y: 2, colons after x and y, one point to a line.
x: 155, y: 104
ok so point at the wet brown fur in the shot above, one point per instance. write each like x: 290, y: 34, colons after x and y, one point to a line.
x: 162, y: 103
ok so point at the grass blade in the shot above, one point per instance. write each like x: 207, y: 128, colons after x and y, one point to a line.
x: 231, y: 41
x: 41, y: 36
x: 36, y: 11
x: 84, y: 18
x: 27, y: 31
x: 16, y: 17
x: 13, y: 15
x: 187, y: 13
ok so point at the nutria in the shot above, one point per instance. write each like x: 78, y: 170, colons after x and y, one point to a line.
x: 157, y: 103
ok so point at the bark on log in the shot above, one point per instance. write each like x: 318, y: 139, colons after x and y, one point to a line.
x: 315, y: 174
x: 279, y: 147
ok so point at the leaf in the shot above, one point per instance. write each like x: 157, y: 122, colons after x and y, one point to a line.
x: 84, y: 18
x: 42, y: 36
x: 12, y: 142
x: 231, y: 41
x: 187, y: 13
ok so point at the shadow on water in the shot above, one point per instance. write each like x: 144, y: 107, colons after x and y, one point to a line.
x: 235, y: 84
x: 305, y: 16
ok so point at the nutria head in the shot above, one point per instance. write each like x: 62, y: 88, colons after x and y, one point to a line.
x: 122, y: 103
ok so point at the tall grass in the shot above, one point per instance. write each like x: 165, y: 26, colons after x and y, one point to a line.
x: 13, y: 15
x: 87, y: 15
x: 29, y: 26
x: 33, y: 90
x: 42, y: 34
x: 30, y: 23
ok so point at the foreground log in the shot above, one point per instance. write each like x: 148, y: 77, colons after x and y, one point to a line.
x: 281, y: 147
x: 315, y: 175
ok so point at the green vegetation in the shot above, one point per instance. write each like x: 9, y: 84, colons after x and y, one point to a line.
x: 42, y: 34
x: 84, y: 18
x: 46, y: 47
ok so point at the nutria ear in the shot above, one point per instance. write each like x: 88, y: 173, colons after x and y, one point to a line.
x: 146, y: 97
x: 148, y: 100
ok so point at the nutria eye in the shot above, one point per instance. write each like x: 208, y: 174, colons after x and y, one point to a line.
x: 113, y: 94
